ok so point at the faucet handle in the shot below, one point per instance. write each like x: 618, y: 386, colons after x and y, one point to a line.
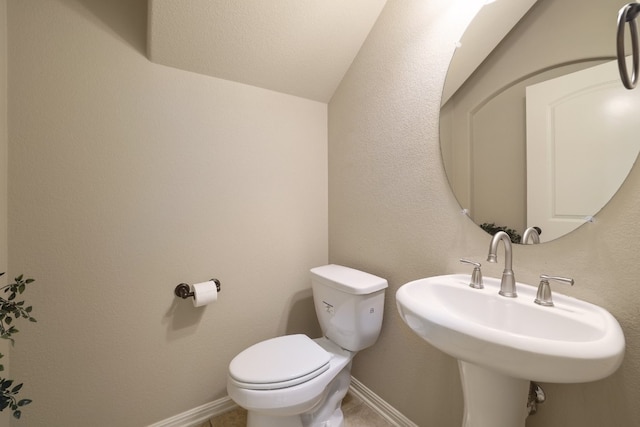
x: 543, y: 296
x: 476, y: 276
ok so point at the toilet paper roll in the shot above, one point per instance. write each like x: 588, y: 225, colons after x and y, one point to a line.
x: 204, y: 293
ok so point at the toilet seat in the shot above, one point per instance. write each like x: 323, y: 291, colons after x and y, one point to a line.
x: 279, y: 362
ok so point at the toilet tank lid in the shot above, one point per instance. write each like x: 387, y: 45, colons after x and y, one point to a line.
x: 348, y: 279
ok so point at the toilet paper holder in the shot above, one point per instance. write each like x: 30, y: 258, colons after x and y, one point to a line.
x: 184, y: 291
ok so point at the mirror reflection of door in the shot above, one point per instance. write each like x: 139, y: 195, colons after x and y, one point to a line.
x: 483, y: 115
x: 582, y: 140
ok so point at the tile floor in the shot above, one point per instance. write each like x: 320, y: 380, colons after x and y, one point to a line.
x: 356, y: 414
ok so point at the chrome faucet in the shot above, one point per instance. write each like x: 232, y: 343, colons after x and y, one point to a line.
x: 508, y: 283
x: 532, y: 234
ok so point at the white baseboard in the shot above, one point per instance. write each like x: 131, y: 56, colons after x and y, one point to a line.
x: 376, y: 404
x: 196, y: 416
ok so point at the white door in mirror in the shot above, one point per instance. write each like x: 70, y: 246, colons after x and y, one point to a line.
x: 581, y: 133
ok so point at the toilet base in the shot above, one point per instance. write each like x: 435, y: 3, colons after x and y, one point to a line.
x: 327, y: 413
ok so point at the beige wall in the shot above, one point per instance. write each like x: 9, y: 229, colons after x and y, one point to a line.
x: 391, y: 213
x: 127, y: 178
x: 4, y: 345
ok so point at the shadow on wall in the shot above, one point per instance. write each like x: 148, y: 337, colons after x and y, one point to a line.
x: 181, y: 319
x: 301, y: 315
x: 127, y: 19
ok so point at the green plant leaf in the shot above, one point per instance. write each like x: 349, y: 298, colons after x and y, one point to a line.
x: 10, y: 312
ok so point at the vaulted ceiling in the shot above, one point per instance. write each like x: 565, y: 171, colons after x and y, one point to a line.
x: 298, y: 47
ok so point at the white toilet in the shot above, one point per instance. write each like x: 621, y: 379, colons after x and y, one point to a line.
x: 296, y: 381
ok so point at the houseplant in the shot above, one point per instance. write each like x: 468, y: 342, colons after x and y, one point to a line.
x: 10, y: 311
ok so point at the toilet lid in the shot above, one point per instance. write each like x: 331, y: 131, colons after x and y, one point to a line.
x: 278, y: 363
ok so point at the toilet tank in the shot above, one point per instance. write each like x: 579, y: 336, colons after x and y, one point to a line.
x: 349, y: 304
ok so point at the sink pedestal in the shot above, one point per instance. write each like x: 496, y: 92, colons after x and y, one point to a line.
x: 492, y: 399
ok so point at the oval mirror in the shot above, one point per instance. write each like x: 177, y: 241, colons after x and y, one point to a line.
x: 541, y: 132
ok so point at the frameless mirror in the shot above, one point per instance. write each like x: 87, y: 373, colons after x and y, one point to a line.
x: 541, y: 132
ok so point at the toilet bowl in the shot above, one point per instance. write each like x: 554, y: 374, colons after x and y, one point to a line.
x: 296, y: 381
x: 291, y: 397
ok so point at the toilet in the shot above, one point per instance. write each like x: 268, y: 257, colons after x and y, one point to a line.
x: 296, y: 381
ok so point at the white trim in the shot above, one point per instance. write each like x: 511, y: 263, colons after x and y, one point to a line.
x: 196, y: 416
x: 376, y: 404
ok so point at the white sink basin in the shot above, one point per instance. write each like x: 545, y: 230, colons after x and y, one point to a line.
x: 573, y: 341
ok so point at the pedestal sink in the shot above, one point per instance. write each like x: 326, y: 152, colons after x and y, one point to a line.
x: 503, y: 343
